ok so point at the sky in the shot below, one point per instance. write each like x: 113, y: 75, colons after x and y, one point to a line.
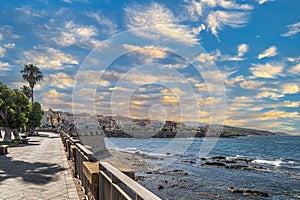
x: 210, y: 61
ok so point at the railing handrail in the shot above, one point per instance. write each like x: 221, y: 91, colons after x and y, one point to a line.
x: 139, y: 190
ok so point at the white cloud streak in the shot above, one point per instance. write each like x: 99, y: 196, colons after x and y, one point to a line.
x: 270, y: 52
x: 293, y: 29
x: 217, y: 19
x: 161, y: 22
x: 49, y: 58
x: 263, y: 1
x: 266, y: 70
x: 110, y: 26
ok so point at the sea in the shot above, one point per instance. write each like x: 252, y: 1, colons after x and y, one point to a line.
x: 252, y: 167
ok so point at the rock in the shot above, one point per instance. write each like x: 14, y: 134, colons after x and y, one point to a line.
x: 218, y: 157
x: 217, y: 164
x: 140, y: 178
x: 159, y: 187
x: 178, y: 171
x: 248, y: 192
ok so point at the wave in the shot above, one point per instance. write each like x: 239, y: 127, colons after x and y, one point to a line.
x: 277, y: 162
x: 137, y: 151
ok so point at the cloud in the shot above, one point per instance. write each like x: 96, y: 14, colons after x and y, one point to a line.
x: 291, y: 59
x: 270, y: 52
x: 148, y: 52
x: 276, y: 114
x: 196, y: 8
x: 242, y: 49
x: 110, y: 26
x: 295, y: 69
x: 160, y: 22
x: 9, y: 45
x: 209, y: 57
x: 1, y: 36
x: 75, y: 34
x: 49, y: 58
x: 233, y: 81
x: 291, y: 104
x: 263, y: 1
x: 290, y: 89
x: 53, y: 94
x: 217, y: 19
x: 250, y: 84
x: 4, y: 64
x: 266, y: 70
x: 2, y: 52
x: 267, y: 94
x: 59, y: 80
x: 293, y: 29
x: 27, y: 10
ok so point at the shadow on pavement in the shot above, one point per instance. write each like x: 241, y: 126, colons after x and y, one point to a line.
x: 38, y: 173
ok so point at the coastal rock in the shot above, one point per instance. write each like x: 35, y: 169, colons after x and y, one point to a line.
x: 248, y: 192
x: 217, y: 164
x: 159, y: 187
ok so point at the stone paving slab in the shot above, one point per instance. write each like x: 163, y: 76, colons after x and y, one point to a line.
x: 38, y: 170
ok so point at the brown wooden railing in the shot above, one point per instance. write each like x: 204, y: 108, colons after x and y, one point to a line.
x: 102, y: 180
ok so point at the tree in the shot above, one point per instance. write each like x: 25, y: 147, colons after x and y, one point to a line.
x: 35, y: 116
x: 26, y: 90
x: 32, y: 75
x: 14, y: 109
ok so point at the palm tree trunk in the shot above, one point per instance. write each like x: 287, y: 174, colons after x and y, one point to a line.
x: 31, y: 95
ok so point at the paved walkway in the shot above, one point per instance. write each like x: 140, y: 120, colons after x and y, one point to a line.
x: 38, y: 170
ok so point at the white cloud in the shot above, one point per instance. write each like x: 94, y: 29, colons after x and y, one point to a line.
x: 75, y: 34
x: 9, y: 45
x: 31, y: 12
x: 276, y: 114
x: 290, y: 88
x: 1, y: 37
x: 2, y: 51
x: 291, y: 104
x: 59, y: 80
x: 194, y: 9
x: 242, y: 49
x: 295, y: 69
x: 217, y: 19
x: 263, y: 1
x: 291, y: 59
x: 67, y: 1
x: 293, y: 29
x: 110, y: 26
x: 49, y: 58
x: 267, y: 94
x: 266, y: 71
x: 209, y: 57
x: 250, y: 84
x: 270, y: 52
x: 4, y: 64
x: 160, y: 22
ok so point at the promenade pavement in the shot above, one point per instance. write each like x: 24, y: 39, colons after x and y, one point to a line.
x: 38, y: 170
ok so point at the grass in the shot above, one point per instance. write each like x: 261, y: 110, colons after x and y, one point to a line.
x: 9, y: 143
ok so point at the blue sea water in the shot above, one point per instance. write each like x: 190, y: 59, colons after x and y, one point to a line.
x: 274, y: 163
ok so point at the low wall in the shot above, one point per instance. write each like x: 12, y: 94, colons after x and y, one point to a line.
x: 102, y: 180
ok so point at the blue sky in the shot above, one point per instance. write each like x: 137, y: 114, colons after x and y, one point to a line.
x: 214, y: 61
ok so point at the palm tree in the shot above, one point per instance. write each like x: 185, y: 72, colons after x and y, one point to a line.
x: 26, y: 90
x: 32, y: 74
